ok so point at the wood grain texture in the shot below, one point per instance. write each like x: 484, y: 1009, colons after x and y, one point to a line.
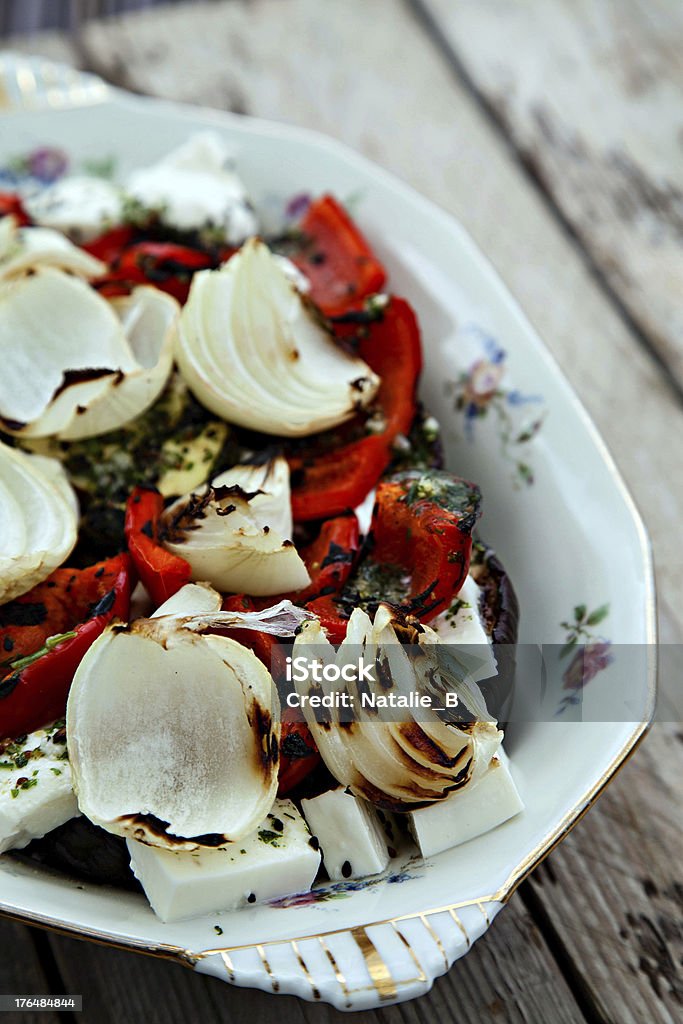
x: 21, y: 972
x: 510, y: 977
x: 592, y: 97
x: 613, y: 891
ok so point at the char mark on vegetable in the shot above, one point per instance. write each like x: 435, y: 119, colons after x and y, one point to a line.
x: 149, y: 825
x: 18, y: 613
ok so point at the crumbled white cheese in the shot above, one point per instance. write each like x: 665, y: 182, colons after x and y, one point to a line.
x: 36, y: 793
x: 277, y: 859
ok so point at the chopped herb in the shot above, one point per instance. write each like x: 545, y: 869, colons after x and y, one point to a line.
x: 267, y: 836
x: 372, y: 579
x: 23, y: 783
x: 49, y: 645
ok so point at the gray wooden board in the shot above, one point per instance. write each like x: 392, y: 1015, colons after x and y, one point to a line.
x: 608, y: 894
x: 612, y: 892
x: 592, y: 96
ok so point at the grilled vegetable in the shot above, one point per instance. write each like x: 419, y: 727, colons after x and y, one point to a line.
x: 254, y: 352
x: 39, y: 517
x: 75, y: 365
x: 402, y: 762
x: 74, y: 604
x: 173, y: 732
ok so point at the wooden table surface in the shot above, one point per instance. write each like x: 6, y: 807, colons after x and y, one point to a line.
x: 554, y: 130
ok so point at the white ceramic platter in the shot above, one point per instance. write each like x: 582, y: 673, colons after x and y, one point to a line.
x: 556, y: 511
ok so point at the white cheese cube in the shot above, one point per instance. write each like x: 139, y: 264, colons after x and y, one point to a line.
x: 462, y: 626
x: 467, y: 814
x: 36, y: 793
x: 354, y: 837
x: 275, y: 860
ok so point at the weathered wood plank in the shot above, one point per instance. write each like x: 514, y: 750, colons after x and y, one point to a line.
x: 591, y: 95
x: 510, y: 977
x: 21, y: 972
x: 613, y: 891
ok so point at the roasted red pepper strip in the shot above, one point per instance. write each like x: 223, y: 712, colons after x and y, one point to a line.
x: 329, y: 559
x: 392, y: 348
x: 328, y: 613
x: 422, y: 525
x: 109, y: 246
x: 336, y: 258
x: 298, y: 752
x: 35, y: 695
x: 161, y: 573
x: 338, y: 480
x: 165, y: 265
x: 326, y: 484
x: 65, y: 598
x: 11, y: 203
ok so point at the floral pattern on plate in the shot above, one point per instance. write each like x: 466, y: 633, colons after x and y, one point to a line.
x: 44, y: 165
x: 589, y: 654
x: 479, y: 392
x: 340, y: 890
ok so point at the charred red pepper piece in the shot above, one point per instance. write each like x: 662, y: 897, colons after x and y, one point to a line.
x: 109, y: 246
x: 330, y: 616
x: 336, y: 257
x: 422, y: 525
x: 34, y: 694
x: 11, y: 203
x: 53, y: 606
x: 392, y: 348
x: 165, y: 265
x: 328, y: 483
x: 298, y: 752
x: 335, y: 481
x: 161, y: 572
x: 330, y: 560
